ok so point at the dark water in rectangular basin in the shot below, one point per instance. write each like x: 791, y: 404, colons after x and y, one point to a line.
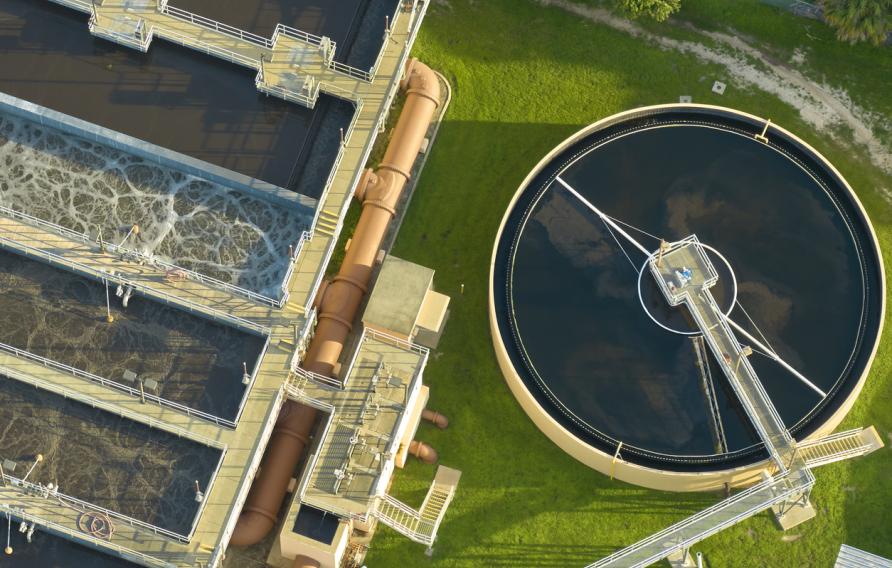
x: 103, y: 459
x: 61, y: 316
x: 172, y: 96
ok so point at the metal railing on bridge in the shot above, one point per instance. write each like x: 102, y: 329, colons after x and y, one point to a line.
x: 708, y: 522
x: 150, y: 259
x: 94, y: 402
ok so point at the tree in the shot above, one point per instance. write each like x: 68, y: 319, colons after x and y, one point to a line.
x: 659, y: 10
x: 859, y: 20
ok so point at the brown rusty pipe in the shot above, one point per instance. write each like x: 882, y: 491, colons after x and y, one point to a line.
x: 340, y: 301
x: 379, y: 192
x: 423, y: 452
x: 438, y: 419
x: 287, y: 443
x: 301, y: 561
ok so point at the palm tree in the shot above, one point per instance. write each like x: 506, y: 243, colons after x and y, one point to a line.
x: 860, y: 20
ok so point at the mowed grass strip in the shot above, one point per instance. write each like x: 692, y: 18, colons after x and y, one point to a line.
x: 525, y: 77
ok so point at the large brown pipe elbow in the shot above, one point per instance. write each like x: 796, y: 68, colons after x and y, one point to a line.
x: 288, y: 440
x: 380, y: 192
x: 301, y: 561
x: 423, y: 452
x: 436, y: 418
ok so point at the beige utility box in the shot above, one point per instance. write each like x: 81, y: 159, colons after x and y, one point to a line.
x: 404, y: 304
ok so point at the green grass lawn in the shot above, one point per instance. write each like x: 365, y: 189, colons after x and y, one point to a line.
x: 524, y: 77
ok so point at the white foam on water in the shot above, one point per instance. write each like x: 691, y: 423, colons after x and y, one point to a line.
x: 185, y: 220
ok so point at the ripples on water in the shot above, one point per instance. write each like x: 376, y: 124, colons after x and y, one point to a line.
x: 103, y: 459
x: 185, y: 220
x: 61, y: 316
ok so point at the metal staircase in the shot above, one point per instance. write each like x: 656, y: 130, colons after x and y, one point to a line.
x: 420, y: 526
x: 327, y: 224
x: 841, y: 446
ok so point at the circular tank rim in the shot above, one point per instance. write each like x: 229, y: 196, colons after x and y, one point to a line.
x: 630, y: 472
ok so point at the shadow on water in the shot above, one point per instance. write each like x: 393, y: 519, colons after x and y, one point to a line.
x: 171, y: 96
x: 356, y: 26
x: 50, y: 551
x: 62, y: 317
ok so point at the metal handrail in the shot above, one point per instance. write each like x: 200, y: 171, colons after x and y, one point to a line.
x: 299, y: 35
x: 206, y: 311
x: 387, y: 338
x: 207, y: 491
x: 64, y: 498
x: 193, y: 275
x: 216, y: 26
x: 369, y: 333
x: 321, y: 380
x: 62, y: 530
x: 334, y: 168
x: 756, y: 385
x: 830, y: 438
x: 96, y: 403
x: 73, y: 235
x: 804, y: 482
x: 313, y: 458
x: 253, y: 379
x: 351, y: 71
x: 145, y: 39
x: 412, y: 532
x: 62, y: 367
x: 779, y: 430
x: 308, y: 100
x: 305, y: 236
x: 398, y: 12
x: 80, y: 5
x: 155, y: 261
x: 198, y: 45
x: 298, y: 393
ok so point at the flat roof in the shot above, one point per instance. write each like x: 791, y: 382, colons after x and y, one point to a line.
x: 398, y: 295
x: 171, y: 96
x: 368, y: 412
x: 356, y: 26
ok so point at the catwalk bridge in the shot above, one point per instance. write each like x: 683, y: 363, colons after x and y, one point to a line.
x: 684, y: 274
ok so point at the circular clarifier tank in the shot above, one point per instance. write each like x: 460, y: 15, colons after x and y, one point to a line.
x: 623, y: 381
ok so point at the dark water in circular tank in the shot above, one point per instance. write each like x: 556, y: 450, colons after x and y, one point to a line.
x: 567, y: 285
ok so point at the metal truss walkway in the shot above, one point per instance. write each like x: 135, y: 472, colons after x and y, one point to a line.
x: 685, y: 275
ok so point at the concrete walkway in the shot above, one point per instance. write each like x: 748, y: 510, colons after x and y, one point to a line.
x: 285, y: 60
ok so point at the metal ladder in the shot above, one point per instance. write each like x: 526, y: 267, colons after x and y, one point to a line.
x: 841, y: 446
